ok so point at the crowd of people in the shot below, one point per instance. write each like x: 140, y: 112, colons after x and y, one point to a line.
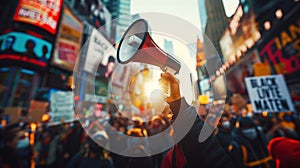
x: 244, y: 138
x: 241, y: 139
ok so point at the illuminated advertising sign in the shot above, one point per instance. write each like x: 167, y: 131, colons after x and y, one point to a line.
x: 227, y: 47
x: 241, y: 35
x: 25, y: 49
x: 282, y: 49
x: 41, y: 13
x: 99, y: 50
x: 235, y: 77
x: 69, y: 41
x: 96, y: 12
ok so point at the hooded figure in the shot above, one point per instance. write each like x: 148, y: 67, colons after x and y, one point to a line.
x: 249, y: 147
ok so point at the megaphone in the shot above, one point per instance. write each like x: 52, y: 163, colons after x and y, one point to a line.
x: 137, y: 45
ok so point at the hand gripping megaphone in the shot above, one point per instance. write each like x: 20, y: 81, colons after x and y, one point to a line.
x: 137, y: 45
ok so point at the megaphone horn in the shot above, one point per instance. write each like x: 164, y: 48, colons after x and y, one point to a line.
x: 137, y: 45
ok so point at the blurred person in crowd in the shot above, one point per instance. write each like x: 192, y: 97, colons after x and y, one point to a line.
x: 95, y: 125
x: 285, y: 152
x: 136, y: 147
x: 87, y: 112
x: 224, y: 132
x: 119, y: 141
x: 189, y: 152
x: 72, y: 141
x: 46, y: 149
x: 249, y: 147
x: 234, y: 113
x: 93, y: 155
x: 16, y: 152
x: 138, y: 124
x: 287, y: 122
x: 275, y: 129
x: 156, y: 125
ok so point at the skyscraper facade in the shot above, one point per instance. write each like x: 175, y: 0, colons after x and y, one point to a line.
x: 120, y: 10
x: 216, y: 21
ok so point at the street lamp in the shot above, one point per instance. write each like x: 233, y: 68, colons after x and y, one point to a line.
x: 278, y: 13
x: 267, y: 25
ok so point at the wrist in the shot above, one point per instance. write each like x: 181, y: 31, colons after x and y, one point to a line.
x: 177, y: 105
x: 172, y: 99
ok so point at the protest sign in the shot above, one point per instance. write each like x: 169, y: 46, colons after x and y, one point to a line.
x: 269, y: 93
x: 37, y: 109
x: 62, y: 106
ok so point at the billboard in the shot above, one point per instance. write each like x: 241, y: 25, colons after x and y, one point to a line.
x: 69, y: 41
x: 99, y: 51
x: 235, y: 77
x: 241, y: 35
x: 269, y: 93
x: 282, y: 47
x: 96, y: 12
x: 25, y: 49
x: 42, y: 13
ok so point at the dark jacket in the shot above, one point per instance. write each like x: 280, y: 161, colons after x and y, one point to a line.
x: 225, y: 138
x: 245, y: 151
x: 209, y: 153
x: 10, y: 158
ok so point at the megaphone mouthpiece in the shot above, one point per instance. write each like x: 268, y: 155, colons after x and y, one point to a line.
x: 137, y: 45
x: 134, y: 41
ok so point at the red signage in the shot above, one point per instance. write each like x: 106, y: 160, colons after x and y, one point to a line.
x: 283, y: 50
x: 23, y: 59
x: 41, y: 13
x: 69, y: 41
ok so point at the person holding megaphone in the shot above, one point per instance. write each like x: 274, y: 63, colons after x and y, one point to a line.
x: 138, y: 46
x: 189, y: 152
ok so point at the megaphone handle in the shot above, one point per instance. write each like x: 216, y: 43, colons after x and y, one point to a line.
x: 165, y: 85
x: 173, y: 63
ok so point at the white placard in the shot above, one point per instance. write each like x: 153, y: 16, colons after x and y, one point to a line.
x: 62, y: 106
x: 95, y: 98
x: 269, y: 93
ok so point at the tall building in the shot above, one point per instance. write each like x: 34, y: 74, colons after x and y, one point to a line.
x: 168, y: 46
x: 203, y: 15
x: 112, y: 6
x: 216, y: 21
x: 120, y: 10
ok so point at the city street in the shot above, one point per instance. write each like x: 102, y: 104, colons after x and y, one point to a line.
x: 149, y: 84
